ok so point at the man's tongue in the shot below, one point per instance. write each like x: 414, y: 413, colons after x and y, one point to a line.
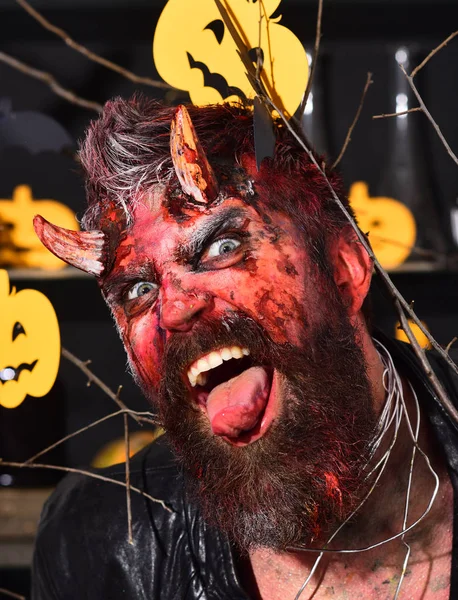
x: 237, y: 405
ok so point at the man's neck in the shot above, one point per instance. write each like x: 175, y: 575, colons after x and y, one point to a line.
x: 374, y: 573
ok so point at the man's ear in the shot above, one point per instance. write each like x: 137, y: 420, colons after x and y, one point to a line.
x: 353, y: 269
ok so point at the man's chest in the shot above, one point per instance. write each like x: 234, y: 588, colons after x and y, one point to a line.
x: 425, y: 579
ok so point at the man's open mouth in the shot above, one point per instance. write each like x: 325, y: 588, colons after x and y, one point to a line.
x: 238, y: 397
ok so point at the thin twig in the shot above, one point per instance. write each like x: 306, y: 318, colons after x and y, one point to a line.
x: 450, y: 344
x: 394, y: 292
x: 398, y: 114
x: 88, y: 474
x: 83, y: 429
x: 129, y: 508
x: 424, y: 362
x: 91, y: 377
x: 412, y: 249
x: 259, y: 46
x: 11, y: 594
x: 428, y: 114
x: 432, y: 53
x: 50, y: 81
x: 355, y: 120
x: 87, y: 53
x: 314, y: 60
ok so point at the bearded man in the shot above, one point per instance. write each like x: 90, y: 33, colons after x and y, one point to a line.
x: 294, y: 451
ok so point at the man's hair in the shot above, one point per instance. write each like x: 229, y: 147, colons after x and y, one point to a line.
x: 127, y: 151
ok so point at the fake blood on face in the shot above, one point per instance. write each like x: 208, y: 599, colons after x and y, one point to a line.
x: 202, y: 268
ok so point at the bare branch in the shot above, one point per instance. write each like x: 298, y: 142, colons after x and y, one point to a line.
x: 91, y: 377
x: 129, y: 508
x: 398, y: 114
x: 450, y: 344
x: 383, y: 274
x: 83, y: 429
x: 449, y: 406
x: 355, y: 120
x: 50, y: 81
x: 88, y: 474
x: 11, y: 594
x: 432, y: 53
x: 314, y: 59
x: 87, y: 53
x: 412, y: 249
x: 428, y: 114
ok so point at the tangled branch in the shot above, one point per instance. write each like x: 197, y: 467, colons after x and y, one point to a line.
x: 402, y: 306
x: 50, y: 80
x: 11, y: 594
x: 369, y: 80
x: 124, y: 412
x: 88, y: 53
x: 115, y: 397
x: 422, y: 108
x: 316, y: 50
x: 84, y: 472
x: 128, y: 502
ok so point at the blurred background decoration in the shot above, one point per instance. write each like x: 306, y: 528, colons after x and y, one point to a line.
x: 114, y: 451
x: 21, y: 247
x: 194, y: 51
x: 35, y: 158
x: 402, y: 183
x: 29, y: 344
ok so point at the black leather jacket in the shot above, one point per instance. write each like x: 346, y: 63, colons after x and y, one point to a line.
x: 82, y: 549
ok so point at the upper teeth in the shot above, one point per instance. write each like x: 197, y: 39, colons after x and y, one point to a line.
x: 197, y: 371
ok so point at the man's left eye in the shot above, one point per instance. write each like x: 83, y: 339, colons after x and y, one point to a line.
x: 140, y: 289
x: 222, y: 247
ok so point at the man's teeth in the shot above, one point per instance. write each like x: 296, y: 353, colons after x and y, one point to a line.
x: 197, y: 372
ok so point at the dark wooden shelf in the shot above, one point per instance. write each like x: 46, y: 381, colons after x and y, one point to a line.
x: 19, y: 513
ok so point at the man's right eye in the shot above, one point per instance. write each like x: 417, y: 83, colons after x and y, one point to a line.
x: 141, y: 289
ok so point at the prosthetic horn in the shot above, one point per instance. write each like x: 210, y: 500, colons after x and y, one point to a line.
x: 193, y: 170
x: 84, y: 250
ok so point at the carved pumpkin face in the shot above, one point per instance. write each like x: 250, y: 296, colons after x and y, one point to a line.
x: 25, y: 249
x: 29, y: 344
x: 390, y: 224
x: 194, y: 51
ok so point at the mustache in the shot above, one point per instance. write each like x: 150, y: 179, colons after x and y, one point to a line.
x: 231, y: 329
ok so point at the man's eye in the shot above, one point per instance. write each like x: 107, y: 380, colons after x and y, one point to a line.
x: 222, y: 247
x: 140, y: 289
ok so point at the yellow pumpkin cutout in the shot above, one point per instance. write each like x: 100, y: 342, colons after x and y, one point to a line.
x: 390, y: 224
x: 417, y: 332
x: 24, y: 249
x: 29, y: 344
x: 114, y: 452
x: 194, y: 51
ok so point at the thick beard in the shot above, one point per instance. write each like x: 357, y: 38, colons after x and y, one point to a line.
x: 304, y: 475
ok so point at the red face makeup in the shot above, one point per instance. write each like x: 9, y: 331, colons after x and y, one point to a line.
x: 170, y: 276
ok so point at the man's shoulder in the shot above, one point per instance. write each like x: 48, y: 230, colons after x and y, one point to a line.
x: 83, y: 544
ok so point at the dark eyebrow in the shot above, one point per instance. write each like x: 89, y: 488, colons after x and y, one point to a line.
x: 114, y: 281
x: 193, y: 247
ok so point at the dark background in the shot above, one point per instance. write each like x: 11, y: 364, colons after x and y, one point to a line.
x: 357, y: 37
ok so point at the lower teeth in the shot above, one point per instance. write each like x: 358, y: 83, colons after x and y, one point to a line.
x: 202, y: 379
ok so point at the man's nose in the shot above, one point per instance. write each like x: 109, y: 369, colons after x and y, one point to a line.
x: 179, y: 311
